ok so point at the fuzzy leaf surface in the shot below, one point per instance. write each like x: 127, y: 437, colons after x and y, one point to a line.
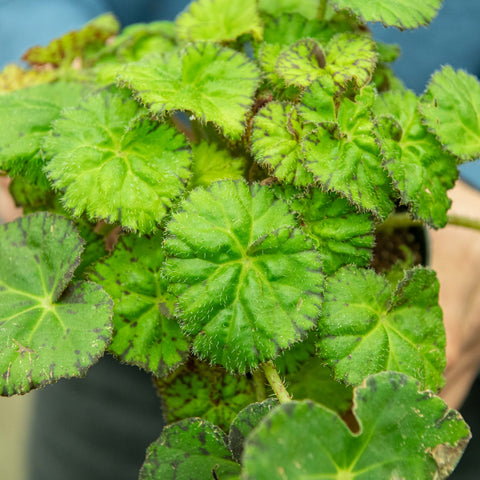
x: 301, y: 63
x: 245, y: 422
x: 395, y: 13
x: 249, y: 283
x: 341, y: 235
x: 451, y: 110
x: 307, y: 8
x: 211, y: 163
x: 26, y: 117
x: 403, y: 434
x: 114, y: 165
x: 76, y: 44
x: 145, y: 332
x: 189, y: 450
x: 184, y: 81
x: 277, y: 143
x: 366, y: 327
x: 48, y: 329
x: 421, y: 170
x: 219, y: 21
x: 345, y: 157
x: 198, y: 389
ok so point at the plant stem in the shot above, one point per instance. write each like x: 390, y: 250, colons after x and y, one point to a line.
x: 259, y: 385
x: 276, y: 383
x: 399, y: 220
x: 322, y: 10
x: 464, y: 222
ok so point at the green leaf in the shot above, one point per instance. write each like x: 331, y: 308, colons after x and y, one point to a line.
x: 351, y: 56
x: 192, y: 449
x: 341, y: 235
x: 319, y: 102
x: 277, y: 143
x: 249, y: 284
x: 421, y: 170
x: 184, y: 82
x: 307, y: 8
x: 212, y: 163
x: 366, y: 327
x: 219, y: 21
x: 74, y: 45
x: 48, y: 328
x: 144, y: 330
x: 315, y: 381
x: 301, y: 63
x: 396, y: 13
x: 245, y: 422
x: 32, y: 197
x: 113, y: 164
x: 26, y: 117
x: 403, y: 434
x: 95, y: 247
x: 198, y: 389
x: 345, y: 157
x: 451, y: 110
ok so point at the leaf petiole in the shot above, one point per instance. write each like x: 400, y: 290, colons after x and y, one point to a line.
x: 322, y: 10
x: 276, y: 382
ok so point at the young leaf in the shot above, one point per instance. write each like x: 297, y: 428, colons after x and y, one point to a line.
x: 245, y: 422
x: 198, y: 389
x: 26, y: 117
x: 301, y: 63
x: 184, y: 82
x: 192, y: 449
x: 13, y: 77
x: 250, y: 284
x: 345, y: 157
x: 450, y: 109
x: 396, y: 13
x: 114, y: 167
x: 403, y: 434
x: 212, y: 163
x: 421, y: 170
x: 351, y: 56
x: 77, y: 44
x: 341, y: 235
x: 47, y: 331
x: 277, y: 143
x: 365, y: 327
x: 219, y: 21
x: 319, y: 102
x: 144, y: 330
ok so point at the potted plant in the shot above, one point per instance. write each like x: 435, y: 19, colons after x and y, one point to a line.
x: 202, y: 200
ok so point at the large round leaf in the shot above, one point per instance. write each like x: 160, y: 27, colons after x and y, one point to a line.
x: 47, y: 331
x: 111, y: 163
x: 366, y: 327
x: 145, y: 332
x: 249, y: 284
x: 403, y: 434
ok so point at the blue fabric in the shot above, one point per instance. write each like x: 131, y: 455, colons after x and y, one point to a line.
x: 453, y: 38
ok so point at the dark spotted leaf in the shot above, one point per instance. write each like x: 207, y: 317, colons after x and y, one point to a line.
x: 48, y: 328
x: 404, y: 434
x: 183, y: 81
x: 26, y: 117
x: 115, y: 164
x: 198, y: 389
x: 341, y: 235
x: 395, y: 13
x: 367, y: 327
x: 145, y: 332
x: 277, y: 143
x: 421, y: 170
x: 245, y: 422
x: 192, y: 449
x: 450, y: 109
x: 219, y: 21
x: 249, y: 283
